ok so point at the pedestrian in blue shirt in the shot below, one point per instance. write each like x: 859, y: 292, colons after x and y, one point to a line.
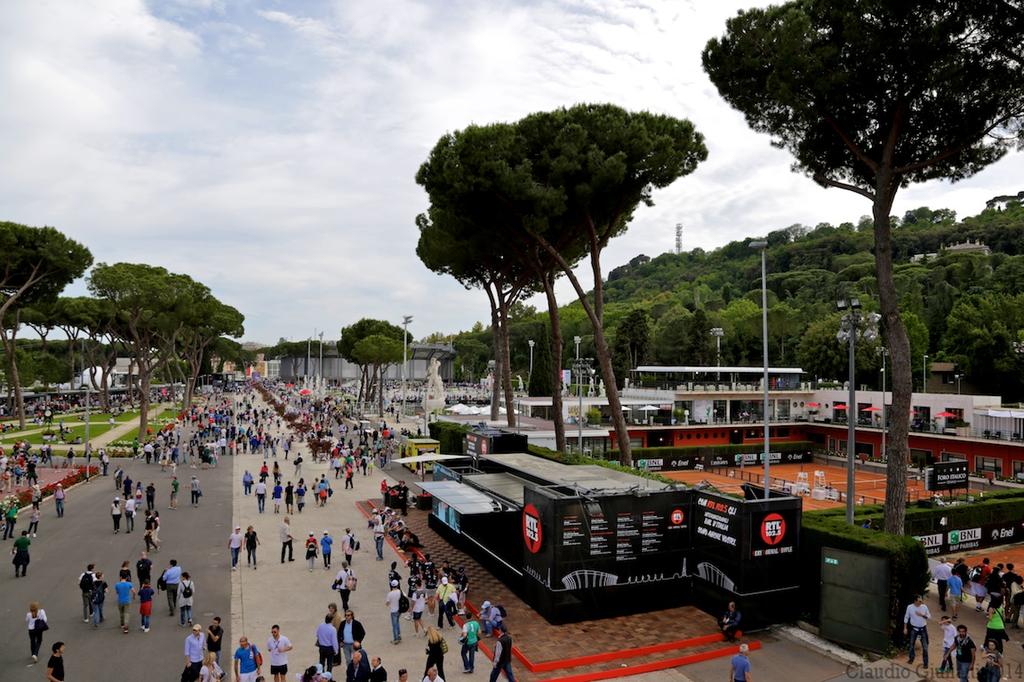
x: 125, y: 593
x: 741, y: 665
x: 325, y: 549
x: 246, y: 665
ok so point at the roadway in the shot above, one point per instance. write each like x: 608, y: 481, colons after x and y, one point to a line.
x: 196, y: 537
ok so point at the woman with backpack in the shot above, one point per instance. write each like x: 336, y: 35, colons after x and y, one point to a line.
x: 312, y: 550
x: 186, y: 598
x: 99, y: 595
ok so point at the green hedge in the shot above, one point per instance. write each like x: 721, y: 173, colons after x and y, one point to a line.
x: 573, y: 458
x: 923, y: 518
x: 908, y: 564
x: 701, y: 450
x: 450, y: 435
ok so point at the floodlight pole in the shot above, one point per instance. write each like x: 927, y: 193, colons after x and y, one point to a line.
x: 762, y: 246
x: 851, y: 405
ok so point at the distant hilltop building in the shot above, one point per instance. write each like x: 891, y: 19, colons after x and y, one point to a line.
x: 1000, y: 202
x: 969, y: 246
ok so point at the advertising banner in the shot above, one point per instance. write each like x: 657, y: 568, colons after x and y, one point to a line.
x: 950, y: 475
x: 746, y: 547
x: 706, y: 461
x: 967, y: 539
x: 608, y: 541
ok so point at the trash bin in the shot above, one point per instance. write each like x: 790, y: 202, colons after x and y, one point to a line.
x: 425, y: 501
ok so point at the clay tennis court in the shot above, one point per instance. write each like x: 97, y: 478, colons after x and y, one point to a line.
x: 870, y: 483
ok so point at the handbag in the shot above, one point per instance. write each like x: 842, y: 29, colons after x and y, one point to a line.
x: 40, y: 625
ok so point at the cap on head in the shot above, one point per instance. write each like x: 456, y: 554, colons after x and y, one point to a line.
x: 394, y: 583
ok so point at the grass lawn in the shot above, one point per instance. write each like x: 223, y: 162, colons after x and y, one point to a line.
x: 166, y: 415
x: 95, y: 429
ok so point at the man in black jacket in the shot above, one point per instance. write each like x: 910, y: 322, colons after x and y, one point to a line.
x: 377, y: 671
x: 503, y: 657
x: 358, y: 669
x: 350, y: 632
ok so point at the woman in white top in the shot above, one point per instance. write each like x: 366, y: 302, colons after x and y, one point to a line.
x: 35, y: 619
x: 210, y: 672
x: 115, y: 514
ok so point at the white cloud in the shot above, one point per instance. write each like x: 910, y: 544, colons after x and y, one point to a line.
x: 269, y: 148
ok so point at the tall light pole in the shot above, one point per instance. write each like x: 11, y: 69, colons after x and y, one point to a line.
x: 530, y: 375
x: 309, y: 344
x: 579, y: 366
x: 850, y: 322
x: 718, y: 333
x: 406, y: 319
x: 958, y: 378
x: 924, y: 374
x: 885, y: 423
x: 762, y: 246
x: 320, y: 362
x: 87, y: 395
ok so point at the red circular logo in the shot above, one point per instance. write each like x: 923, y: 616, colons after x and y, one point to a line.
x: 773, y: 529
x: 532, y: 533
x: 677, y: 517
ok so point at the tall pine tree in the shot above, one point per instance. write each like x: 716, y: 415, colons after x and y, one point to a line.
x: 540, y: 379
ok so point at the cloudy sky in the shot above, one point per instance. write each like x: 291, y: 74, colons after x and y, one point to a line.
x: 268, y: 148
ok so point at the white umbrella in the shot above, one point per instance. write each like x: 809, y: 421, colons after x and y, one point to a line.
x: 649, y: 408
x: 459, y: 408
x: 428, y: 457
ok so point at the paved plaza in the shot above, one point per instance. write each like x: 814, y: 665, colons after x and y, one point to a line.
x: 250, y: 601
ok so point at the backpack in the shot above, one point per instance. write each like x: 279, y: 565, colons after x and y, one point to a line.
x: 186, y: 591
x: 85, y: 583
x: 502, y: 611
x: 403, y: 604
x: 975, y: 574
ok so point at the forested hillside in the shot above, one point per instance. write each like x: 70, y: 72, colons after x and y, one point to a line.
x: 966, y: 308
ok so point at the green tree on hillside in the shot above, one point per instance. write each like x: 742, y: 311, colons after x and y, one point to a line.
x: 918, y: 91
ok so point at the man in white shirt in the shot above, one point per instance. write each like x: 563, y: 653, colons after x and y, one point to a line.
x: 129, y: 514
x: 940, y: 573
x: 916, y: 620
x: 278, y: 647
x: 392, y: 601
x: 235, y: 545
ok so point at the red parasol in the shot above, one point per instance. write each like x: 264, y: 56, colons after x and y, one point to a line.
x: 946, y: 415
x: 872, y: 409
x: 813, y: 404
x: 839, y: 407
x: 305, y: 391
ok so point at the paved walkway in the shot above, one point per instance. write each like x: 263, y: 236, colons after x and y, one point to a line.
x: 290, y: 595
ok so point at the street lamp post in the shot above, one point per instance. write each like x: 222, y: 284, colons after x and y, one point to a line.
x: 762, y: 246
x: 579, y: 366
x: 958, y: 377
x: 530, y: 375
x: 850, y: 320
x: 406, y: 319
x: 924, y: 374
x: 320, y: 362
x: 87, y: 396
x: 885, y: 423
x: 718, y: 333
x: 309, y: 346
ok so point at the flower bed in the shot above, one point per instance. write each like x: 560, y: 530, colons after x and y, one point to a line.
x: 24, y: 497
